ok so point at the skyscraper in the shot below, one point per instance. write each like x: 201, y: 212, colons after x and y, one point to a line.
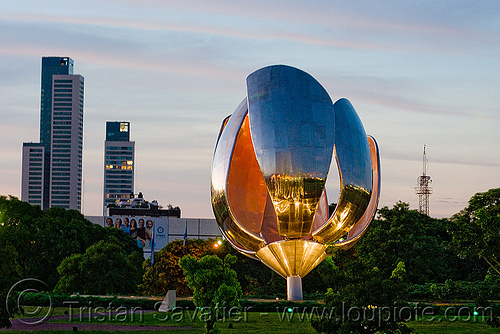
x: 52, y: 169
x: 118, y: 163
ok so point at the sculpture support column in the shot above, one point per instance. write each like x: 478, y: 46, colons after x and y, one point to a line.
x: 294, y: 288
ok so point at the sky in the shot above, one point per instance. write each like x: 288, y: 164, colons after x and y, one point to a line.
x: 417, y: 72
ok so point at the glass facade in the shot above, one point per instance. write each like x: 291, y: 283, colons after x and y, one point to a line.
x: 118, y: 163
x: 117, y: 131
x: 50, y: 67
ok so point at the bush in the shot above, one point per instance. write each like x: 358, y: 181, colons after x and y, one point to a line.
x: 479, y: 291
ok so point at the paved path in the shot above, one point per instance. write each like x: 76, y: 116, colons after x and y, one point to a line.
x: 17, y: 325
x: 30, y: 324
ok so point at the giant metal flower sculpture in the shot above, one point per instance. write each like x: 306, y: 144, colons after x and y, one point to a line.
x: 270, y: 167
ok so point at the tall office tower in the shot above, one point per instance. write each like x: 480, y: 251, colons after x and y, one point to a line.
x: 119, y: 163
x: 61, y: 137
x: 50, y: 67
x: 66, y: 142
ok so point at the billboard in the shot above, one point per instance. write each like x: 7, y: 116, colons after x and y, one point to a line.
x: 148, y: 232
x: 159, y: 231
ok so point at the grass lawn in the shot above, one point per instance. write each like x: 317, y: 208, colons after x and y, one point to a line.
x: 453, y: 328
x: 243, y: 322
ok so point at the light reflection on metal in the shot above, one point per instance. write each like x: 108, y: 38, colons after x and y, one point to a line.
x: 270, y: 167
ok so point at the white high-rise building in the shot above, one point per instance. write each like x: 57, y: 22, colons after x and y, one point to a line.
x: 66, y: 142
x: 33, y: 173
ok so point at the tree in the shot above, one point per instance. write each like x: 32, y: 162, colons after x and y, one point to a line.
x: 321, y: 277
x: 104, y: 269
x: 167, y: 274
x: 42, y: 239
x: 364, y: 300
x: 401, y: 234
x: 214, y: 284
x: 9, y: 275
x: 476, y: 229
x: 254, y: 277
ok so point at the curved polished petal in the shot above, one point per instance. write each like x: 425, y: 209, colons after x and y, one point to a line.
x: 246, y: 189
x: 291, y: 123
x: 360, y: 227
x: 240, y: 237
x: 354, y: 162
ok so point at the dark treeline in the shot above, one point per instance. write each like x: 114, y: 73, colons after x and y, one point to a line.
x: 70, y: 254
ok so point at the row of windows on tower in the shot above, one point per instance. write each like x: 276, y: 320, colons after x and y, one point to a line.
x: 118, y: 167
x: 123, y: 148
x: 117, y: 181
x: 122, y: 175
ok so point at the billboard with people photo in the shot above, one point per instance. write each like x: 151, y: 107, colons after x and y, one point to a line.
x: 149, y: 232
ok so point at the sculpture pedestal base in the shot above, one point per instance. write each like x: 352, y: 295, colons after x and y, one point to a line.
x: 294, y: 288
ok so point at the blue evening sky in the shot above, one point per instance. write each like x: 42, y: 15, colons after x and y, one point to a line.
x: 417, y: 72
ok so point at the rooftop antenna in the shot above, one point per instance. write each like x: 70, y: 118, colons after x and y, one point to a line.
x: 423, y: 189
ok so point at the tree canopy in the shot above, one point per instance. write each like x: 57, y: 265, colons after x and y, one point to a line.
x: 103, y: 269
x: 360, y: 295
x: 214, y: 284
x: 400, y: 233
x: 60, y: 247
x: 476, y: 229
x: 254, y: 277
x: 167, y: 274
x: 38, y: 240
x: 421, y: 242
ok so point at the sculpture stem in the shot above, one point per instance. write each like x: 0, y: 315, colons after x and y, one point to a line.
x: 294, y: 288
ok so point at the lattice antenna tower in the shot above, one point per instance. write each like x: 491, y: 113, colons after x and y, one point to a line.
x: 423, y: 189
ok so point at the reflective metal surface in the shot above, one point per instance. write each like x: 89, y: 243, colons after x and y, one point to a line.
x: 360, y: 227
x: 291, y: 123
x: 238, y: 235
x: 355, y: 168
x: 294, y: 287
x: 270, y: 166
x: 292, y: 257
